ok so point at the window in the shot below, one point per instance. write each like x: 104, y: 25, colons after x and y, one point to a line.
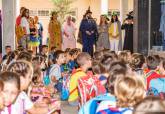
x: 40, y: 12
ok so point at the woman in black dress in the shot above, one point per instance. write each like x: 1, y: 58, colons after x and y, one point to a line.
x: 128, y: 40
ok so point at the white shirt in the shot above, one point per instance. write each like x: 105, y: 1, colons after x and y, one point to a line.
x: 21, y: 104
x: 55, y: 71
x: 25, y: 23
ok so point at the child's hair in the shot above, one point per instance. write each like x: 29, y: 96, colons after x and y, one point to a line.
x: 25, y: 56
x: 105, y: 63
x: 20, y: 48
x: 98, y: 55
x: 44, y: 46
x: 7, y: 46
x: 96, y: 67
x: 10, y: 77
x: 153, y: 62
x: 150, y: 105
x: 137, y: 61
x: 129, y: 90
x: 53, y: 48
x: 1, y: 85
x: 57, y: 55
x: 82, y: 58
x: 123, y: 56
x: 22, y: 67
x: 163, y: 63
x: 11, y: 56
x: 117, y: 70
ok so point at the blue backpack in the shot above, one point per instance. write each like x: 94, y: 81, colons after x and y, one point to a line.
x: 65, y: 87
x: 91, y: 106
x: 157, y: 87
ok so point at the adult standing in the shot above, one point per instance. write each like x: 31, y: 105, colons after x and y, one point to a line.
x: 55, y: 34
x: 128, y: 40
x: 103, y: 39
x: 25, y: 25
x: 115, y: 33
x: 40, y: 31
x: 68, y: 33
x: 18, y: 29
x: 88, y: 29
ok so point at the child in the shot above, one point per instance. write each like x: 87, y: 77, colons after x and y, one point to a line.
x: 84, y: 61
x: 137, y: 62
x: 25, y: 71
x: 1, y: 96
x: 11, y: 89
x: 129, y: 90
x: 150, y: 105
x: 55, y: 71
x: 101, y: 69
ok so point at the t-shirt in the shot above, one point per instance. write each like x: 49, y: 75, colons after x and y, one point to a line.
x: 21, y: 104
x: 74, y: 83
x: 55, y: 71
x: 18, y: 20
x: 25, y: 23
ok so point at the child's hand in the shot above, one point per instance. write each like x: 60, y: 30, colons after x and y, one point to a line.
x: 53, y: 78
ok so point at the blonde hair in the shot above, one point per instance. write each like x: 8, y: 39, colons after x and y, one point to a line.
x: 129, y: 90
x: 22, y: 67
x: 82, y: 58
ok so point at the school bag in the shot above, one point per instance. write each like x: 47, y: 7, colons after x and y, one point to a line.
x: 46, y: 78
x: 65, y: 87
x: 156, y: 85
x: 91, y: 106
x: 89, y: 86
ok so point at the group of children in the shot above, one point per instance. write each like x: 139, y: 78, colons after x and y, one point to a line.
x: 106, y: 83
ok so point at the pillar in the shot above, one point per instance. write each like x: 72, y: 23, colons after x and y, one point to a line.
x: 123, y: 9
x: 8, y: 23
x: 104, y: 7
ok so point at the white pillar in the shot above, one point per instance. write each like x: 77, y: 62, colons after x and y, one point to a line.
x: 104, y: 6
x: 123, y: 9
x: 8, y: 23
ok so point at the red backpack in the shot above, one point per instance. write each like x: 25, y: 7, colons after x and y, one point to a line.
x: 89, y: 87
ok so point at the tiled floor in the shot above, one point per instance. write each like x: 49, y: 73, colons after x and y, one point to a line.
x: 67, y: 109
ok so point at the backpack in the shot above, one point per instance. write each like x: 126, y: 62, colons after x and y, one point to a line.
x: 156, y: 85
x: 65, y: 87
x: 46, y: 78
x: 91, y: 106
x: 89, y: 86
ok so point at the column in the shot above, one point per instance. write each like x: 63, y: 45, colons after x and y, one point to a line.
x: 8, y: 23
x: 123, y: 9
x: 104, y: 7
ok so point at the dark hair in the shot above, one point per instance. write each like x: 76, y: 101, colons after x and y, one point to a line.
x: 96, y: 67
x: 24, y: 12
x: 98, y: 55
x: 116, y: 69
x: 137, y: 61
x: 123, y: 56
x: 105, y: 63
x: 10, y: 77
x: 57, y: 55
x: 22, y: 67
x: 7, y: 47
x: 1, y: 85
x: 44, y: 46
x: 11, y: 56
x: 25, y: 56
x: 150, y: 105
x: 112, y: 20
x: 152, y: 62
x: 53, y: 48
